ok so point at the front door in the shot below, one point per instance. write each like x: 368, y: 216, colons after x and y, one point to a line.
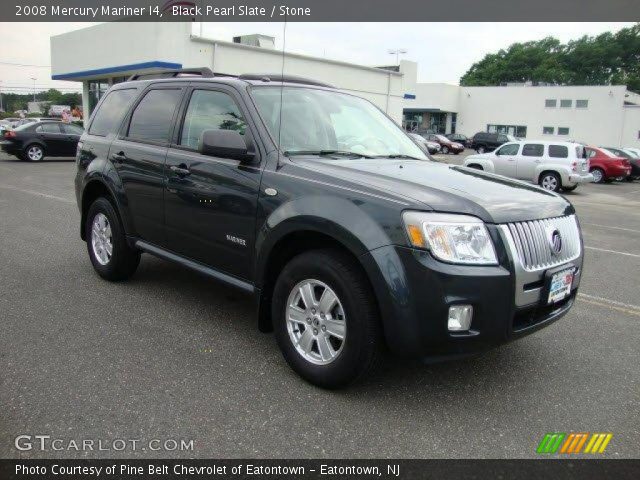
x: 210, y: 202
x: 138, y: 155
x: 504, y: 159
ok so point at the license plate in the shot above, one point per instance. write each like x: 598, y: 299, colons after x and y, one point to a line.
x: 560, y: 285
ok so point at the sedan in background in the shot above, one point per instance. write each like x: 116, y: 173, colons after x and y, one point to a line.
x: 605, y: 166
x: 35, y: 141
x: 424, y: 144
x: 446, y: 145
x: 459, y: 138
x: 634, y: 160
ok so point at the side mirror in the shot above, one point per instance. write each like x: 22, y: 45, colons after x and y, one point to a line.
x: 224, y: 144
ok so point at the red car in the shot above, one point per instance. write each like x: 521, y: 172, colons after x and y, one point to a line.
x: 446, y: 145
x: 605, y: 166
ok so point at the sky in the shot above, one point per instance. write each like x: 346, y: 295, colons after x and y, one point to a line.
x: 444, y: 51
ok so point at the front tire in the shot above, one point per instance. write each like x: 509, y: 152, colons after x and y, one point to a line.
x: 33, y: 153
x: 550, y: 181
x: 445, y: 150
x: 110, y: 255
x: 326, y: 319
x: 481, y: 149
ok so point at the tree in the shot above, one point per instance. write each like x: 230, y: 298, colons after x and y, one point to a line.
x: 603, y: 60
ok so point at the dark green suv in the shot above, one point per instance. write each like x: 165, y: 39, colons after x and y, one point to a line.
x: 314, y: 202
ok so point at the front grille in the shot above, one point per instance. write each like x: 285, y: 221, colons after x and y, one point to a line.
x: 531, y: 240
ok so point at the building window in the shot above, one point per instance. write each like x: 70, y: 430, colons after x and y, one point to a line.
x: 550, y: 103
x: 96, y: 92
x: 566, y: 103
x: 519, y: 131
x: 563, y: 130
x: 548, y: 130
x: 454, y: 120
x: 582, y: 103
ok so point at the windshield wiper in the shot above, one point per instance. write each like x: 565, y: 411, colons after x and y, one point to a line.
x: 398, y: 155
x: 326, y: 153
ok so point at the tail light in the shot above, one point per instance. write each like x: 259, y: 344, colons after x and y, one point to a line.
x: 574, y: 166
x: 10, y: 134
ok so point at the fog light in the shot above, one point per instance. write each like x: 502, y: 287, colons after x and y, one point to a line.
x: 460, y: 318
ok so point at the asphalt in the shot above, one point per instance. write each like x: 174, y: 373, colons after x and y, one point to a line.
x: 173, y: 355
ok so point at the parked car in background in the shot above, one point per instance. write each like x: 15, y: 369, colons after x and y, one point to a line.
x: 446, y: 145
x: 424, y: 144
x: 486, y: 142
x: 554, y: 166
x: 459, y: 138
x: 606, y: 166
x: 634, y: 160
x: 633, y: 150
x: 37, y: 140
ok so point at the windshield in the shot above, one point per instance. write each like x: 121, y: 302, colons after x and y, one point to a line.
x: 317, y: 121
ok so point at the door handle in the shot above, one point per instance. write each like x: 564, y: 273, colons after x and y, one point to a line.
x: 181, y: 170
x: 119, y: 157
x: 512, y: 159
x: 536, y: 161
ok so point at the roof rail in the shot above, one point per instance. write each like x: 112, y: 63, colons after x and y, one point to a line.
x: 278, y: 77
x: 202, y: 72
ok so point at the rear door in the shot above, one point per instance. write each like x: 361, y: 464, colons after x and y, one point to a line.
x: 211, y: 202
x: 531, y: 155
x: 139, y: 153
x: 53, y: 138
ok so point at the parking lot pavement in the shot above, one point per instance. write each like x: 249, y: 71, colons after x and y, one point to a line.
x: 172, y: 355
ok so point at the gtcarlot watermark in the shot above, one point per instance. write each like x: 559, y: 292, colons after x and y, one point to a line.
x: 47, y: 443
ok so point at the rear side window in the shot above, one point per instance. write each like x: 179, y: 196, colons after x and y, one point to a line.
x: 558, y: 151
x: 210, y: 110
x: 72, y: 129
x: 151, y: 120
x: 533, y: 150
x: 48, y: 128
x: 109, y: 115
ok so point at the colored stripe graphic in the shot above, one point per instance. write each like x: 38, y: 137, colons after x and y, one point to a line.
x: 550, y: 442
x: 572, y: 443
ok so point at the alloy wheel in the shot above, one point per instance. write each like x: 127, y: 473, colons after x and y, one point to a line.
x: 35, y: 153
x: 316, y: 322
x: 597, y: 175
x: 549, y: 182
x: 101, y: 239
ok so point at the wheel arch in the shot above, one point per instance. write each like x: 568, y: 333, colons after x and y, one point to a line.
x: 94, y: 189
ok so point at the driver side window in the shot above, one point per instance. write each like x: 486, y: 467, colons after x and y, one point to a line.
x: 509, y: 149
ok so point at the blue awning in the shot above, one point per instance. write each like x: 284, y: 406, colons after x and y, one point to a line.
x: 109, y: 71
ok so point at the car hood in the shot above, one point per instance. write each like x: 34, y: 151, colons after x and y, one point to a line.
x: 447, y: 188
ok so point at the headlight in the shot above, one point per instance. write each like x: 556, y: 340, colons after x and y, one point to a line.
x: 451, y: 238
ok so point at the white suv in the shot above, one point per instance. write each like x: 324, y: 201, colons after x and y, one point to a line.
x: 552, y: 165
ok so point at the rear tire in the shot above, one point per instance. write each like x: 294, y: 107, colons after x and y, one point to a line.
x: 598, y: 175
x: 445, y: 149
x: 33, y: 153
x: 354, y: 315
x: 111, y: 256
x: 550, y: 181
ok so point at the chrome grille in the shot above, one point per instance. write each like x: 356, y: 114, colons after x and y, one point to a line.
x: 531, y: 240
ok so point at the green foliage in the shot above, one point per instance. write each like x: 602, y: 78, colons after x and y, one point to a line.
x: 608, y: 59
x: 18, y: 101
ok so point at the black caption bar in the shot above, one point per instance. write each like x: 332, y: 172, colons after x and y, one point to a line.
x: 317, y: 469
x: 319, y: 11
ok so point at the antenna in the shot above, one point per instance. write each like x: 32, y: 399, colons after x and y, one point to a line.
x: 284, y: 43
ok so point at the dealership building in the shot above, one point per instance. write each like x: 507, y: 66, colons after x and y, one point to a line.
x: 105, y: 54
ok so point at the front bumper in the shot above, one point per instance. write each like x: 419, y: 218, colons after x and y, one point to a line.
x: 415, y: 291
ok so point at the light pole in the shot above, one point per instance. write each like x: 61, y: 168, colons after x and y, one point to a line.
x: 34, y: 87
x: 397, y: 52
